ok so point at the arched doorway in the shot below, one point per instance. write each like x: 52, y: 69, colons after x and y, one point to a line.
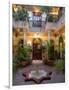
x: 37, y: 49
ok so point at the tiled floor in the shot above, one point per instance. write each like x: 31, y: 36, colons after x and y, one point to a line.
x: 18, y: 79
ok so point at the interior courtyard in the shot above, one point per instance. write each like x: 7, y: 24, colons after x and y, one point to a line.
x: 38, y: 42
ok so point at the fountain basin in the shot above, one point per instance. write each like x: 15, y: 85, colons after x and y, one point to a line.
x: 39, y: 74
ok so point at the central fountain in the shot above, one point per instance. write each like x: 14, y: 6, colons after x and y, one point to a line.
x: 37, y: 73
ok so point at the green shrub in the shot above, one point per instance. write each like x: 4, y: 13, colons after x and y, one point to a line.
x: 60, y: 65
x: 20, y: 14
x: 15, y: 63
x: 50, y: 48
x: 23, y: 56
x: 24, y: 53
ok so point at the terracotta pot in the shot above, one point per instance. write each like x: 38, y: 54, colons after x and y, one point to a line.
x: 24, y: 63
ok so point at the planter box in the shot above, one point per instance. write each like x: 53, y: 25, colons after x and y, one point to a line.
x: 49, y: 62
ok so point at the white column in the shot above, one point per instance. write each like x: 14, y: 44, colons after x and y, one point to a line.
x: 49, y: 35
x: 24, y: 36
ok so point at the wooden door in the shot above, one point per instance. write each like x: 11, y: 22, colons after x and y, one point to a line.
x: 37, y: 49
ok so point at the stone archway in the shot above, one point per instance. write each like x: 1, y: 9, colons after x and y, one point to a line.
x: 37, y: 49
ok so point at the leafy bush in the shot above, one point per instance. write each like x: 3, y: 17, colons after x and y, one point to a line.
x: 23, y: 56
x: 21, y: 14
x: 50, y: 48
x: 15, y: 63
x: 60, y: 65
x: 23, y: 53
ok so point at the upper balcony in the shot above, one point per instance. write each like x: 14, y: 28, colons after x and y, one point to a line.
x: 36, y: 20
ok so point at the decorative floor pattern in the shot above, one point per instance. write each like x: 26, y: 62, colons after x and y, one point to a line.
x: 18, y: 78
